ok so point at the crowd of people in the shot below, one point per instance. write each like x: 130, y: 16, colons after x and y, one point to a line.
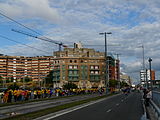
x: 16, y: 95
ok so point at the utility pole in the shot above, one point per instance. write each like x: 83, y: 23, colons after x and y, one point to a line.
x: 147, y: 79
x: 106, y: 61
x: 150, y: 60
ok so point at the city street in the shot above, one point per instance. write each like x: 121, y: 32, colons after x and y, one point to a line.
x: 119, y: 107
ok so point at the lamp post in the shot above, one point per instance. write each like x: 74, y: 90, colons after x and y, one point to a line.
x: 106, y: 61
x: 150, y: 60
x: 143, y: 68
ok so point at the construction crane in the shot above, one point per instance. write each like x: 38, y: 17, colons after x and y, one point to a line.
x: 41, y: 38
x: 96, y: 45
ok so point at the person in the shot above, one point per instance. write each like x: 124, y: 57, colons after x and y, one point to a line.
x: 148, y: 97
x: 9, y: 100
x: 144, y: 93
x: 5, y: 97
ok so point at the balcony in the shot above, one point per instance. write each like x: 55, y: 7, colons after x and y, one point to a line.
x: 73, y: 75
x: 73, y: 78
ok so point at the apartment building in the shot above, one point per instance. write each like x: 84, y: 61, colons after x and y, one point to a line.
x: 146, y: 75
x: 83, y: 66
x: 18, y: 67
x: 125, y: 78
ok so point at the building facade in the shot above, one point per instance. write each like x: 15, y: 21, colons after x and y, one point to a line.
x: 125, y: 78
x: 19, y: 67
x: 146, y: 75
x: 83, y: 66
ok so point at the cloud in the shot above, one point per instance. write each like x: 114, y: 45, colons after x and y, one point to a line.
x: 36, y: 48
x: 132, y: 23
x: 30, y: 9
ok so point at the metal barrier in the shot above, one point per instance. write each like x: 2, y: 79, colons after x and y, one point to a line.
x: 156, y: 98
x: 155, y: 103
x: 156, y: 109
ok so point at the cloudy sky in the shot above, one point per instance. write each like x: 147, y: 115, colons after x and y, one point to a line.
x: 133, y: 23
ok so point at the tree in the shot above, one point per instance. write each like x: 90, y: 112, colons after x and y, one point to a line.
x: 49, y: 78
x: 12, y: 79
x: 113, y: 83
x: 27, y: 79
x: 1, y: 80
x: 69, y: 86
x: 13, y: 86
x: 123, y: 84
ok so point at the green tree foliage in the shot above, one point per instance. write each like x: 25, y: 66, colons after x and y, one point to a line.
x: 27, y: 79
x: 123, y: 84
x: 49, y: 78
x: 12, y: 79
x: 13, y: 86
x: 69, y: 86
x: 1, y: 79
x: 113, y: 83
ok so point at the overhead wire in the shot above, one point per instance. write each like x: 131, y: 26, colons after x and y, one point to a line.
x: 27, y: 27
x: 18, y: 23
x: 22, y: 43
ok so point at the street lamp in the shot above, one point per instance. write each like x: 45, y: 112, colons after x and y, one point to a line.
x: 150, y: 60
x: 143, y: 67
x: 107, y: 66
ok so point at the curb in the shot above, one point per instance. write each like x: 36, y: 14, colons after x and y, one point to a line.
x: 145, y: 115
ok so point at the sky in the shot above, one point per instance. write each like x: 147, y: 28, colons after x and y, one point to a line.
x: 133, y: 23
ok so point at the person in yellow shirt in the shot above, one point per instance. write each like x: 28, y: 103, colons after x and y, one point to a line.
x: 15, y: 95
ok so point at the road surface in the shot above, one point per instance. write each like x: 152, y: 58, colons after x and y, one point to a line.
x: 119, y: 107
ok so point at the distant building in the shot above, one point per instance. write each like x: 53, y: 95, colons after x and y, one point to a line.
x: 125, y: 78
x: 145, y: 76
x: 82, y: 66
x: 18, y: 67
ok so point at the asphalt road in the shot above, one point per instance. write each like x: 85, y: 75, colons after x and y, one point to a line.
x: 120, y: 107
x: 40, y: 105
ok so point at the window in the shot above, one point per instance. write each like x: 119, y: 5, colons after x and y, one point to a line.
x: 75, y: 66
x: 92, y: 72
x: 70, y: 66
x: 92, y: 67
x: 75, y: 72
x: 96, y: 67
x: 96, y: 72
x: 70, y: 72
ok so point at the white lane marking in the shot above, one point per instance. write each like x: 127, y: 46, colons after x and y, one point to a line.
x: 59, y: 114
x: 117, y: 104
x: 109, y: 110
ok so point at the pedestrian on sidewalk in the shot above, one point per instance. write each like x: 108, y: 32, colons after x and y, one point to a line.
x: 148, y: 97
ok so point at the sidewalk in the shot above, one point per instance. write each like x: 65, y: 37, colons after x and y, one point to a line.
x: 150, y: 113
